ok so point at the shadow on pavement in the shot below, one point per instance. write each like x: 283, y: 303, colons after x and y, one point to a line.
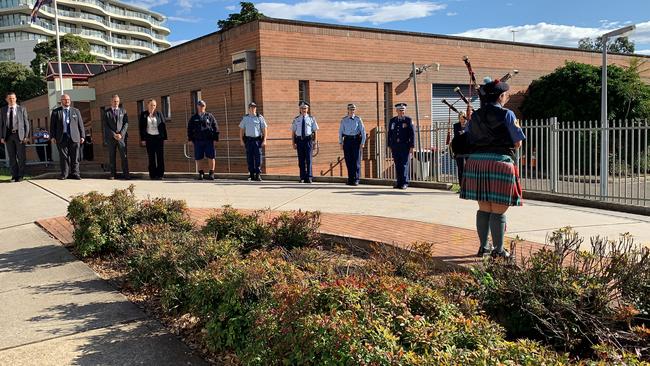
x: 30, y: 259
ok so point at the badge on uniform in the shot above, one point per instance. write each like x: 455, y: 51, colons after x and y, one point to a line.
x: 404, y: 125
x: 392, y: 126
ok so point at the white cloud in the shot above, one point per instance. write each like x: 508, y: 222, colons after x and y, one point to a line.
x: 557, y: 34
x: 643, y: 52
x: 451, y: 13
x: 355, y: 11
x: 231, y: 7
x: 183, y: 19
x: 176, y: 43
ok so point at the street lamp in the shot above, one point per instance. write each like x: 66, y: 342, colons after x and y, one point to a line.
x: 417, y: 71
x: 604, y: 123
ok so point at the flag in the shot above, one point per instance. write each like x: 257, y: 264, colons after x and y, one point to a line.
x: 37, y: 7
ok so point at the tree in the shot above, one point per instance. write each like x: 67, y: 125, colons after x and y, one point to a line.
x: 572, y: 93
x: 247, y: 14
x: 21, y: 80
x: 73, y: 49
x: 620, y: 45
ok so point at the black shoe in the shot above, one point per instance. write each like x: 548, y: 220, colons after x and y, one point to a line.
x: 200, y: 175
x: 308, y: 181
x: 404, y: 186
x: 504, y: 254
x: 301, y: 181
x: 111, y: 177
x: 210, y: 175
x: 258, y: 178
x: 62, y: 178
x: 126, y: 177
x: 355, y: 183
x: 482, y: 252
x: 76, y: 177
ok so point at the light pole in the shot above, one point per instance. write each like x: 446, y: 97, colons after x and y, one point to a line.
x: 417, y: 71
x: 604, y: 122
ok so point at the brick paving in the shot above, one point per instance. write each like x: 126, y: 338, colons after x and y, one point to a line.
x: 452, y: 245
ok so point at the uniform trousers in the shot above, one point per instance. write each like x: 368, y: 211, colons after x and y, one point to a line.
x: 254, y: 154
x: 352, y: 155
x: 304, y: 147
x: 401, y: 158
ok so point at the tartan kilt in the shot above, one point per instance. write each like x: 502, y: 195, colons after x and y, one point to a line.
x: 493, y: 178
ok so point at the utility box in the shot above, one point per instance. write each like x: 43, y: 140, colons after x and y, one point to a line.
x: 244, y: 60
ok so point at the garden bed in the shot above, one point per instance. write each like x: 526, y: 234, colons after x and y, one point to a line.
x: 258, y: 290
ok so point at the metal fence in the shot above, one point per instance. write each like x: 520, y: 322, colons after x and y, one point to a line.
x: 556, y: 157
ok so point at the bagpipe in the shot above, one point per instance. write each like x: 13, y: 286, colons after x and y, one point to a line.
x: 460, y: 145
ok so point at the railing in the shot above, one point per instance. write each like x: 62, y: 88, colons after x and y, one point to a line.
x: 556, y: 157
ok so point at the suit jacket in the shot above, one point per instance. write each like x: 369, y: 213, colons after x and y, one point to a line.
x: 77, y: 131
x: 22, y: 119
x: 114, y: 124
x: 162, y: 128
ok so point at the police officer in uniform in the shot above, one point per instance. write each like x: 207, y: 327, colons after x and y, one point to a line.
x: 304, y: 129
x: 352, y: 138
x: 401, y: 140
x: 252, y: 134
x: 203, y: 132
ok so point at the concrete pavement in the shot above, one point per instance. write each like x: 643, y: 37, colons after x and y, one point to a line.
x: 57, y: 311
x: 532, y: 222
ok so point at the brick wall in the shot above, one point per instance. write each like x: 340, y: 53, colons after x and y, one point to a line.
x: 342, y: 65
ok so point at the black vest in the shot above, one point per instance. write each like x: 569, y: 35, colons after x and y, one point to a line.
x: 489, y: 133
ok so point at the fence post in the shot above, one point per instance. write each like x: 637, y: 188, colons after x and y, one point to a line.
x: 378, y: 153
x: 554, y: 154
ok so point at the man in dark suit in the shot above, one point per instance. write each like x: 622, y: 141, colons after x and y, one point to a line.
x: 67, y: 131
x: 115, y: 123
x: 14, y: 132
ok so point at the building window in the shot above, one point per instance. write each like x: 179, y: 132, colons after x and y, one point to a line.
x: 388, y: 103
x: 165, y: 102
x: 140, y: 104
x: 303, y: 91
x: 196, y: 96
x: 8, y: 54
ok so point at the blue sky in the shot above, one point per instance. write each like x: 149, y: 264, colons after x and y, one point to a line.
x: 550, y: 22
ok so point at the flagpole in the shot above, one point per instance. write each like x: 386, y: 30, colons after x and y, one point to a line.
x: 58, y: 45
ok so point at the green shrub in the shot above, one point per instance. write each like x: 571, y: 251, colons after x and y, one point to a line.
x: 165, y: 211
x: 229, y: 289
x: 100, y: 222
x: 569, y: 298
x: 295, y: 229
x: 249, y: 229
x: 163, y: 258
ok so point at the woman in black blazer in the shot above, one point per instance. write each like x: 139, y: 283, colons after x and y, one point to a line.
x: 153, y: 134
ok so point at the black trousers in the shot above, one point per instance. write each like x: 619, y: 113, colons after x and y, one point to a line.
x: 69, y: 156
x: 17, y: 155
x: 113, y: 147
x: 156, y: 153
x: 254, y: 155
x: 352, y: 155
x: 305, y: 148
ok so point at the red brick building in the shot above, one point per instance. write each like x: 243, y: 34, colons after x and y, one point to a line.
x: 328, y: 65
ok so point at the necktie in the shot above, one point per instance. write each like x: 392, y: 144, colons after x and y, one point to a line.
x: 115, y: 113
x: 304, y: 127
x: 66, y: 120
x: 11, y: 118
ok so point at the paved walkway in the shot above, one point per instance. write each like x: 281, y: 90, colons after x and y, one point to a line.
x: 57, y: 311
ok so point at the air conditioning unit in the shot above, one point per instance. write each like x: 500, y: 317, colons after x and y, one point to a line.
x: 244, y: 60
